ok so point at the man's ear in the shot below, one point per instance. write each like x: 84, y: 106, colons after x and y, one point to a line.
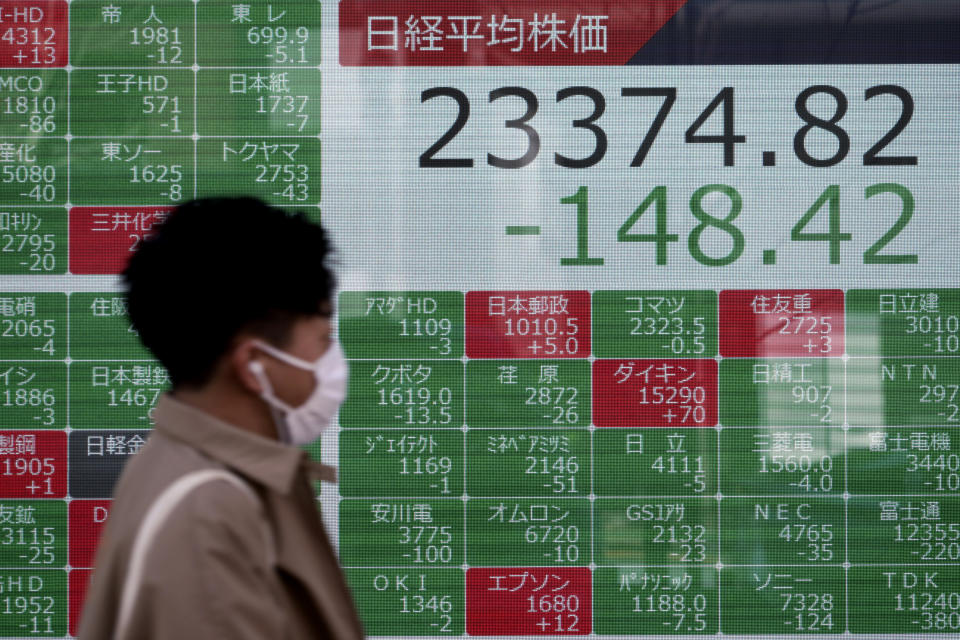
x: 245, y: 366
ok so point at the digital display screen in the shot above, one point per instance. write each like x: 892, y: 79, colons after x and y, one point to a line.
x: 651, y: 307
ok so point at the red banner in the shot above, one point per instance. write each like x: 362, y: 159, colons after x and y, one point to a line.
x: 102, y: 239
x: 34, y: 464
x: 79, y: 582
x: 515, y: 601
x: 33, y: 34
x: 528, y: 324
x: 773, y: 323
x: 676, y: 392
x: 454, y: 34
x: 87, y: 520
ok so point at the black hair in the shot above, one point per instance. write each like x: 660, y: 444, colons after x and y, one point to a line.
x: 217, y: 267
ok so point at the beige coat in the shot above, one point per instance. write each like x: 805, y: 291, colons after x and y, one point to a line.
x: 209, y: 573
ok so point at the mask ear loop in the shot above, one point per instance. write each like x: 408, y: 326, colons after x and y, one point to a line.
x: 273, y: 402
x: 284, y: 356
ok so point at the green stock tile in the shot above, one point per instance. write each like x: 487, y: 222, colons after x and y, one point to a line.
x: 903, y: 391
x: 148, y: 102
x: 281, y: 171
x: 781, y: 392
x: 528, y: 462
x: 33, y: 533
x: 34, y: 102
x: 655, y: 601
x: 418, y: 533
x: 33, y: 326
x: 33, y: 241
x: 33, y: 395
x: 33, y: 172
x: 426, y: 462
x: 782, y: 600
x: 131, y: 33
x: 528, y: 393
x: 912, y: 600
x: 285, y: 32
x: 903, y: 322
x: 258, y: 102
x: 131, y: 171
x: 913, y: 530
x: 895, y: 460
x: 101, y: 328
x: 401, y: 324
x: 404, y: 393
x: 655, y: 462
x: 121, y: 395
x: 416, y: 602
x: 677, y: 531
x: 654, y: 324
x: 522, y: 532
x: 33, y: 603
x: 782, y: 460
x: 771, y: 531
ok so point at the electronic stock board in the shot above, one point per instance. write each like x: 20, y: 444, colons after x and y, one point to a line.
x: 651, y: 307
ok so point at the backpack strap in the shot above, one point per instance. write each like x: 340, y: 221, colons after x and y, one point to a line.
x: 153, y: 521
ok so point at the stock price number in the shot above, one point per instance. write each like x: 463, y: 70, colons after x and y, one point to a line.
x: 716, y: 208
x: 722, y: 105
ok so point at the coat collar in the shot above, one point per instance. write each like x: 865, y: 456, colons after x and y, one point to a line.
x: 268, y: 462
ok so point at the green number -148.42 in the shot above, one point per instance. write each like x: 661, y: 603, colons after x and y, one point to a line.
x: 828, y: 204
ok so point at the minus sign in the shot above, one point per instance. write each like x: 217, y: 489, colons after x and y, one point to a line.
x: 514, y: 230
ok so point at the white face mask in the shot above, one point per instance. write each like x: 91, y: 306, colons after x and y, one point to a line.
x: 304, y: 424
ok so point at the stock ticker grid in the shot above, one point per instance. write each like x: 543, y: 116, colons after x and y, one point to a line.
x: 650, y: 308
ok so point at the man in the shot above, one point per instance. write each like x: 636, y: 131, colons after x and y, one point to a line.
x: 214, y: 531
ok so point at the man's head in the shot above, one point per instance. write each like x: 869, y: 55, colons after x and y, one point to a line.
x: 218, y: 275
